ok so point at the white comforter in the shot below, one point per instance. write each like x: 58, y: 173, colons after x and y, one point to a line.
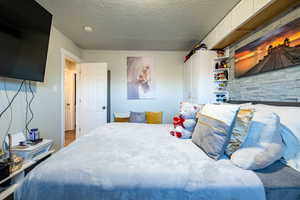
x: 121, y: 161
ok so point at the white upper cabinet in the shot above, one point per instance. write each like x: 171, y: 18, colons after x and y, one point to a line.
x: 241, y: 12
x: 245, y: 10
x: 211, y: 39
x: 225, y: 27
x: 259, y: 4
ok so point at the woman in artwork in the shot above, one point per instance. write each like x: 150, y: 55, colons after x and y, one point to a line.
x: 144, y: 83
x: 139, y: 78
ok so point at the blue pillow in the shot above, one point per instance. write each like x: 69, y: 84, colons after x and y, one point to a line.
x: 137, y: 117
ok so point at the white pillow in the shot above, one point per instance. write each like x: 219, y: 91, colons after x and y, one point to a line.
x: 290, y: 132
x: 242, y: 105
x: 190, y: 107
x: 263, y: 145
x: 121, y: 114
x: 223, y: 112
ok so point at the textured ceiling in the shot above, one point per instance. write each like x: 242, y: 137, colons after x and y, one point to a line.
x: 137, y: 24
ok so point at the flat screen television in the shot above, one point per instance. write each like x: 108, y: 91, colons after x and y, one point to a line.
x: 24, y: 37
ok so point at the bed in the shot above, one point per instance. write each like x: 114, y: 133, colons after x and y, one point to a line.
x: 280, y: 182
x: 137, y: 161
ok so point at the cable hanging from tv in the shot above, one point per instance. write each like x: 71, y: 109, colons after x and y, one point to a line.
x: 12, y: 100
x: 4, y: 146
x: 28, y: 107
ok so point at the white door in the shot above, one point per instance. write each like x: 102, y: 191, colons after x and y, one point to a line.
x: 69, y: 92
x: 68, y: 103
x: 92, y: 97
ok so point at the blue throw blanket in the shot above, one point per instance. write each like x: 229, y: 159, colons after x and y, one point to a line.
x: 122, y: 161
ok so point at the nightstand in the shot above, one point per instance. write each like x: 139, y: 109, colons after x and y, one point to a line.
x: 34, y: 156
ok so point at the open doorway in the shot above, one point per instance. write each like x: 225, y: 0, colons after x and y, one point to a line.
x: 70, y: 82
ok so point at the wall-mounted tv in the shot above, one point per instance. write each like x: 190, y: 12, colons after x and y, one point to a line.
x: 24, y: 38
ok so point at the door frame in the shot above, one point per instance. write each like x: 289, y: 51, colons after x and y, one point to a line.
x: 66, y: 55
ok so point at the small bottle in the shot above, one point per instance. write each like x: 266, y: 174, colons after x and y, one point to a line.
x: 33, y: 134
x: 30, y: 135
x: 37, y: 134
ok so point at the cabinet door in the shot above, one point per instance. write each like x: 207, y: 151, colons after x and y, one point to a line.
x: 225, y: 27
x: 195, y: 76
x: 241, y: 13
x: 204, y: 75
x: 259, y: 4
x: 211, y: 39
x: 187, y: 80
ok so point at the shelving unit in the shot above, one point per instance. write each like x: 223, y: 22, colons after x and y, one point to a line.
x: 222, y: 58
x: 7, y: 191
x: 221, y: 93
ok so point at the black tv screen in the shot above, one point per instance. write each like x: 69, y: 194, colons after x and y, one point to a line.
x: 24, y: 38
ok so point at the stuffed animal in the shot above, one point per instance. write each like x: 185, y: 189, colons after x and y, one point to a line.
x: 183, y: 128
x: 185, y: 122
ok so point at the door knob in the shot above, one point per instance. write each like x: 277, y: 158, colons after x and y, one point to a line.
x: 103, y: 107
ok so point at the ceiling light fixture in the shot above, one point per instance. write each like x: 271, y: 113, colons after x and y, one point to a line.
x: 88, y: 29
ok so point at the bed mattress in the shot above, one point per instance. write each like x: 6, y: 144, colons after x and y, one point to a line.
x: 138, y: 162
x: 280, y: 182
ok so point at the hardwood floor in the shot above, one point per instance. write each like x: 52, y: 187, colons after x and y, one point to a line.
x: 70, y: 136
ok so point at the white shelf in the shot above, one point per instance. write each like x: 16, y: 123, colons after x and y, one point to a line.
x: 8, y: 191
x: 25, y: 166
x: 221, y: 92
x: 221, y: 80
x: 221, y: 58
x: 221, y: 70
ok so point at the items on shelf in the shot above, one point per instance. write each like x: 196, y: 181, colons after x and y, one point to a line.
x: 220, y: 53
x: 221, y: 76
x: 34, y: 134
x: 221, y: 86
x: 16, y: 163
x: 221, y: 98
x: 221, y: 65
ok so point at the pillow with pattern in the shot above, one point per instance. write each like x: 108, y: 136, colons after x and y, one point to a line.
x: 211, y: 135
x: 240, y: 130
x: 186, y: 107
x: 137, y: 117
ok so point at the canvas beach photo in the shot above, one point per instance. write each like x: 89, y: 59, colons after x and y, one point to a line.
x: 278, y: 49
x: 140, y: 82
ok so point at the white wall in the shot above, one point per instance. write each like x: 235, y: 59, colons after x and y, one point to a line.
x: 47, y: 104
x: 168, y: 75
